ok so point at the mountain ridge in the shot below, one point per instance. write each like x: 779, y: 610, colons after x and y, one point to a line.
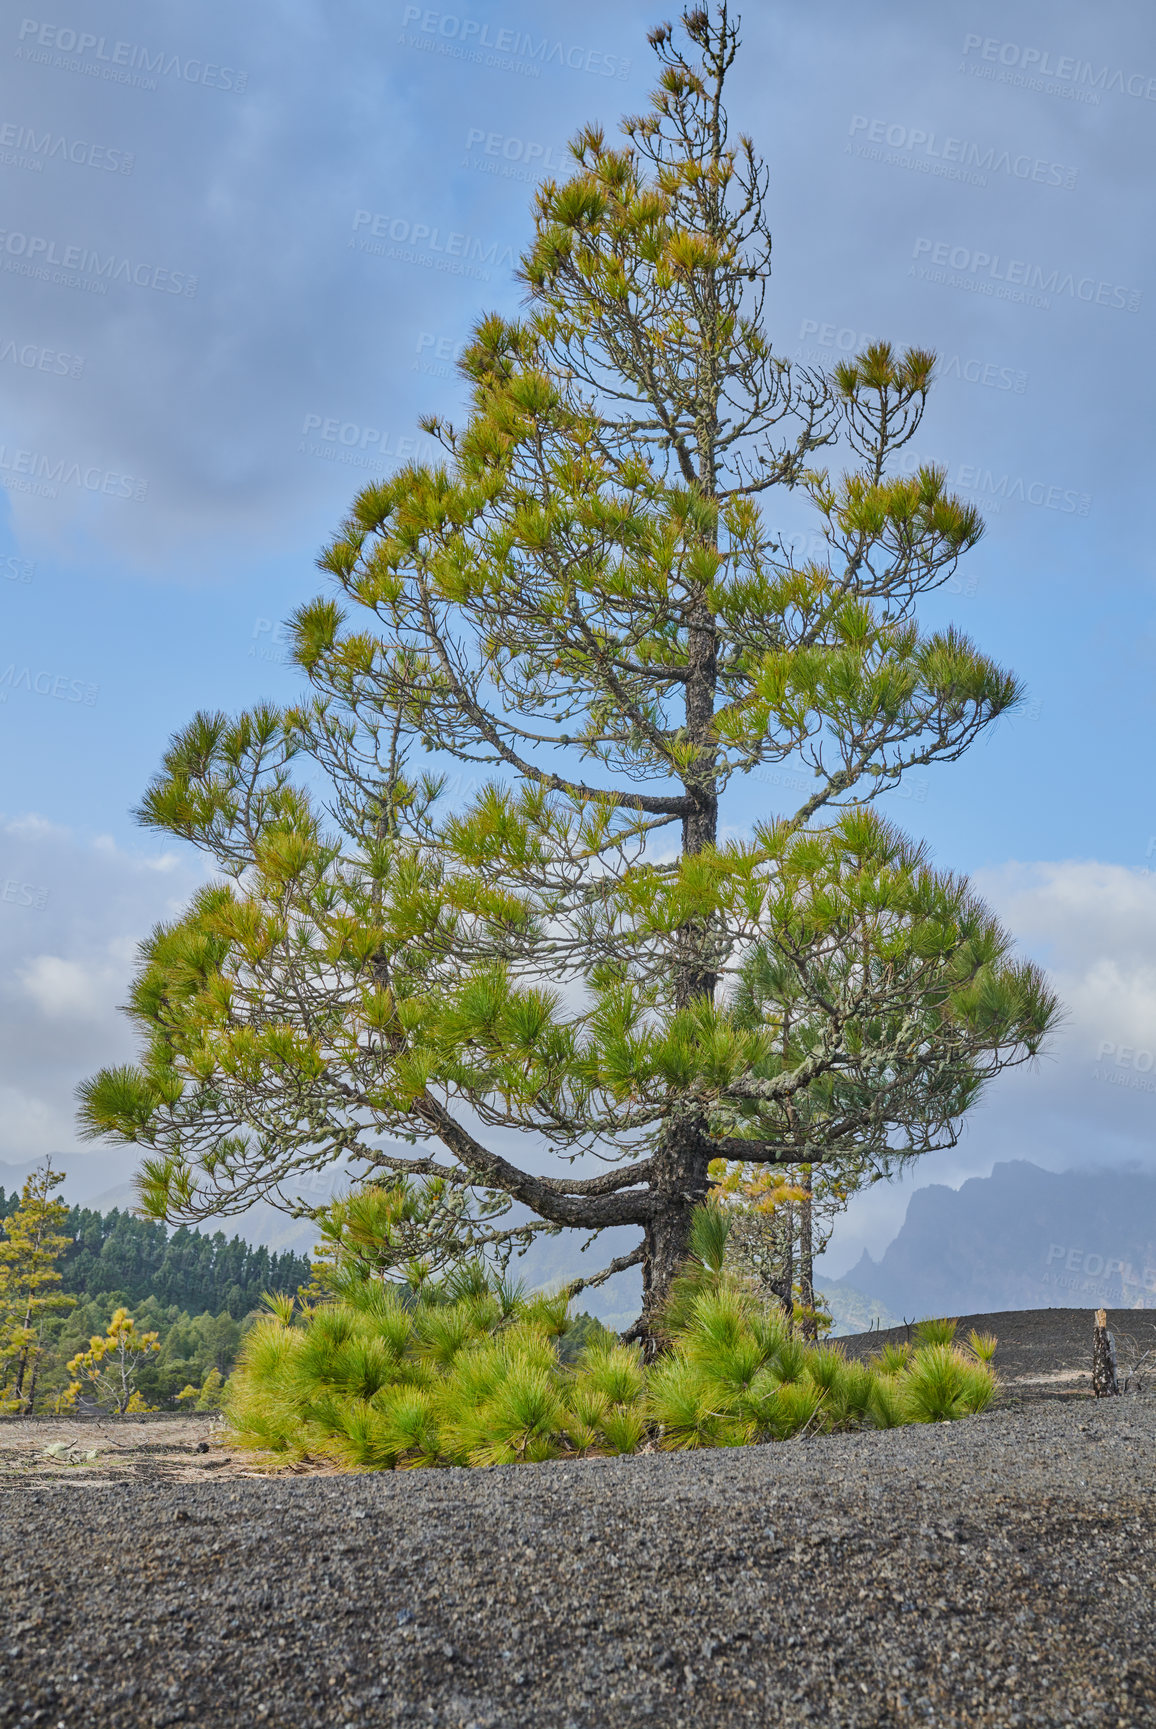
x: 1021, y: 1238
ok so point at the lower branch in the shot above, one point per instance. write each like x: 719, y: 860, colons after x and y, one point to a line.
x: 547, y: 1197
x: 633, y: 1259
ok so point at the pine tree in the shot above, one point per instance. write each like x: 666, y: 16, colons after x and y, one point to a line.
x: 111, y: 1366
x: 590, y: 598
x: 135, y: 1258
x: 780, y: 1220
x: 30, y: 1249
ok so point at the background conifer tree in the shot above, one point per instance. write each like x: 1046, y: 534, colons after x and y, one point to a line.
x: 31, y: 1244
x: 111, y: 1366
x: 591, y: 596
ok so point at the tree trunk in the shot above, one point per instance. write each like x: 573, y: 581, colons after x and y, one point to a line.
x: 680, y: 1185
x: 787, y: 1292
x: 22, y: 1366
x: 680, y: 1182
x: 807, y: 1260
x: 1104, y: 1382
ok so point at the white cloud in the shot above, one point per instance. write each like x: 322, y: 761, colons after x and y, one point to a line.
x: 33, y: 827
x: 31, y: 1124
x: 1091, y: 1099
x: 67, y: 955
x: 1076, y: 908
x: 163, y: 863
x: 1093, y: 926
x: 73, y: 990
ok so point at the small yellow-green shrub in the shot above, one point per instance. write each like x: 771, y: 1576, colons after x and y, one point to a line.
x: 470, y: 1371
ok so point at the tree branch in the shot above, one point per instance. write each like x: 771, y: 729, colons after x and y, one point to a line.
x: 619, y: 1265
x: 592, y: 1209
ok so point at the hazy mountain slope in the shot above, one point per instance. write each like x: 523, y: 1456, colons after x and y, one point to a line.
x: 1023, y: 1238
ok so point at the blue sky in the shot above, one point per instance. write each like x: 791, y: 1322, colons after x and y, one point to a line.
x: 174, y: 450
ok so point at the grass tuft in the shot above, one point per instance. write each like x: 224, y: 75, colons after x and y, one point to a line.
x: 983, y: 1345
x: 932, y: 1332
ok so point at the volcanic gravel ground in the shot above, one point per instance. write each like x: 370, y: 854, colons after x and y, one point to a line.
x: 999, y: 1570
x: 1044, y: 1353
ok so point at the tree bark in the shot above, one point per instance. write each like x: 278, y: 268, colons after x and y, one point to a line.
x: 807, y: 1260
x: 1104, y: 1382
x: 787, y: 1294
x: 22, y: 1361
x: 679, y: 1186
x: 679, y: 1181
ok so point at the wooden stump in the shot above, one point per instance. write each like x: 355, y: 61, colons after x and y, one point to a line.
x: 1104, y: 1382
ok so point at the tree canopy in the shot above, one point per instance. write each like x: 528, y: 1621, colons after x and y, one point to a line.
x: 590, y: 596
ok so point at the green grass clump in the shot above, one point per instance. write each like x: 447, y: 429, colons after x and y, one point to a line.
x: 982, y: 1345
x: 469, y: 1370
x: 941, y: 1385
x: 893, y: 1359
x: 932, y: 1332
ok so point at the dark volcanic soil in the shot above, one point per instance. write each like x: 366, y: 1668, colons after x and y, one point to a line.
x: 1044, y: 1353
x: 1000, y: 1570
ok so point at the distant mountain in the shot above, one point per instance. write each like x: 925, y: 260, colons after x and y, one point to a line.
x: 1022, y: 1238
x: 851, y: 1311
x: 552, y: 1260
x: 88, y: 1177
